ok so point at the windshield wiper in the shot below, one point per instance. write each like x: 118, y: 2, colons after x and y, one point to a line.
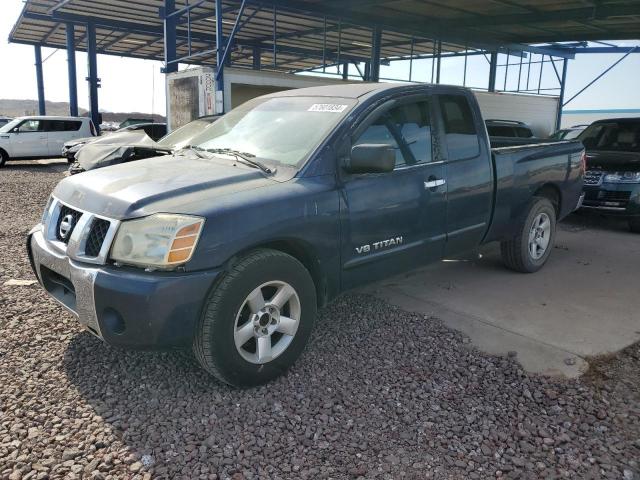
x: 244, y: 157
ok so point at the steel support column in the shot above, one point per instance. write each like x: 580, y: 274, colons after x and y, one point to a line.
x: 92, y: 70
x: 493, y: 70
x: 439, y: 61
x: 71, y: 70
x: 256, y: 58
x: 40, y: 80
x: 220, y: 48
x: 170, y: 23
x: 345, y: 71
x: 376, y: 40
x: 563, y: 81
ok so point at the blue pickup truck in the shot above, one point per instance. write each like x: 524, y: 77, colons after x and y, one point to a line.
x: 229, y: 246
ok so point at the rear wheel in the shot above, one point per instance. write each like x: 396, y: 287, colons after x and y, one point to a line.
x: 257, y: 320
x: 4, y: 156
x: 634, y: 225
x: 528, y: 251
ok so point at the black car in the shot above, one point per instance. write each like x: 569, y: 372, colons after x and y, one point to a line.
x: 612, y: 181
x: 155, y: 131
x: 506, y: 133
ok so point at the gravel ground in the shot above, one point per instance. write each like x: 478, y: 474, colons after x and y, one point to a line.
x: 379, y: 393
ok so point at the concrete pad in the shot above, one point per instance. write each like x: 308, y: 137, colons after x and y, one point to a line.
x: 584, y: 302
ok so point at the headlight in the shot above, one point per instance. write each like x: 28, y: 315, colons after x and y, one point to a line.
x: 160, y: 241
x: 622, y: 177
x: 45, y: 214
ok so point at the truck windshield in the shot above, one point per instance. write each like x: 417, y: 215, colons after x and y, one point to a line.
x: 621, y: 136
x: 285, y: 130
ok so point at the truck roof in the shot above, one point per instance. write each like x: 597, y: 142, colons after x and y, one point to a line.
x: 348, y: 90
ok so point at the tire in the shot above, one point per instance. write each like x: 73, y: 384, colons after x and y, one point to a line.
x: 71, y: 158
x: 634, y: 225
x: 228, y: 306
x: 529, y: 250
x: 4, y: 156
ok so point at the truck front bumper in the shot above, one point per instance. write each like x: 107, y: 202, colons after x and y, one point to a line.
x: 613, y: 199
x: 123, y: 306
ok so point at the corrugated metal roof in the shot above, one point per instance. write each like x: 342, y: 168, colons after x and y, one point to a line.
x: 312, y: 32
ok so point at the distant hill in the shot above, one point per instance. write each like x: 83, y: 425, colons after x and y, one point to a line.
x: 18, y: 108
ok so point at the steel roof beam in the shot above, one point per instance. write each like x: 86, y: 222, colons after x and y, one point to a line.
x: 407, y: 24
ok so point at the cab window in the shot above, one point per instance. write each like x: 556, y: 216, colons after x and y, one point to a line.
x: 30, y: 126
x: 524, y: 132
x: 461, y: 136
x: 407, y: 128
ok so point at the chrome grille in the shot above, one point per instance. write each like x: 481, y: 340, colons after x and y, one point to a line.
x: 97, y: 234
x: 89, y: 238
x: 67, y: 212
x: 593, y: 177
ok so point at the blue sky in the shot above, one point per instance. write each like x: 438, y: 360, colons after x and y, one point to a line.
x: 138, y: 85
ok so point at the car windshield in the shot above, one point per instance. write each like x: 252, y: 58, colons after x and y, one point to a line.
x: 571, y: 134
x: 279, y: 129
x: 181, y: 137
x: 621, y: 136
x: 10, y: 126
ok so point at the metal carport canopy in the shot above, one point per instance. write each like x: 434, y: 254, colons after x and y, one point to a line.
x: 313, y: 32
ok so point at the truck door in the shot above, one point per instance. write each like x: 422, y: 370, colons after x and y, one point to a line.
x: 394, y: 221
x: 469, y: 173
x: 30, y: 140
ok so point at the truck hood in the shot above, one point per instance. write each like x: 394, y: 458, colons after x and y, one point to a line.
x: 613, y: 161
x: 177, y: 184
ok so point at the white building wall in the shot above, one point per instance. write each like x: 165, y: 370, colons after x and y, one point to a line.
x: 537, y: 111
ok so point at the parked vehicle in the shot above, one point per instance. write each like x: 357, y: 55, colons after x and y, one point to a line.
x: 506, y: 133
x: 4, y: 120
x: 133, y: 121
x: 135, y: 145
x: 612, y: 181
x: 570, y: 133
x: 286, y: 201
x: 155, y: 131
x: 40, y: 136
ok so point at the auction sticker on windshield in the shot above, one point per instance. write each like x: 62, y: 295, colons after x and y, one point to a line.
x: 327, y: 107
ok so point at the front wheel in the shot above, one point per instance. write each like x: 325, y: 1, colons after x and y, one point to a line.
x: 257, y: 320
x: 528, y: 251
x: 4, y: 156
x: 634, y: 225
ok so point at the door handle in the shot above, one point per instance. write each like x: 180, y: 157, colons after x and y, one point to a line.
x: 434, y: 182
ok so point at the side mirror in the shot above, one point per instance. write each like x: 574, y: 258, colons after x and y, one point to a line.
x: 371, y: 158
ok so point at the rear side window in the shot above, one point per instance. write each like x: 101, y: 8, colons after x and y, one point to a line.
x: 461, y: 136
x: 500, y: 131
x: 407, y: 129
x: 524, y: 132
x: 62, y: 125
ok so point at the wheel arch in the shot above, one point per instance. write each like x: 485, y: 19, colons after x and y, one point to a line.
x: 301, y: 251
x: 552, y: 193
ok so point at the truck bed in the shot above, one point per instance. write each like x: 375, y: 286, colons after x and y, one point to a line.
x: 522, y: 170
